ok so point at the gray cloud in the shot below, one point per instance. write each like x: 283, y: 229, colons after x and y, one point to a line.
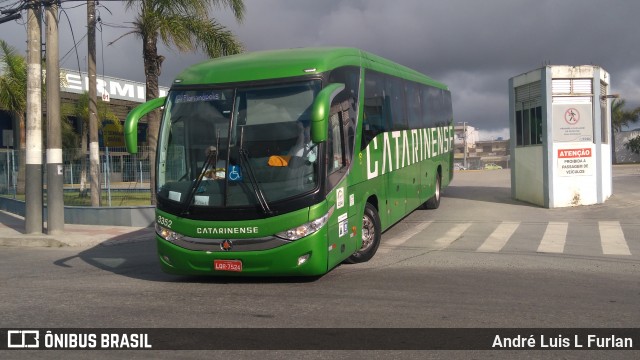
x: 473, y: 46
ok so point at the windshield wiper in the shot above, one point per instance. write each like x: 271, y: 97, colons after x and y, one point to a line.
x: 244, y: 158
x: 212, y: 158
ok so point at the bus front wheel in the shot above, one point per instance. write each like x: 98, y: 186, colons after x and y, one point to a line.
x: 371, y: 235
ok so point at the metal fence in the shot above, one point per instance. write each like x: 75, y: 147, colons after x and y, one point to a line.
x: 124, y: 178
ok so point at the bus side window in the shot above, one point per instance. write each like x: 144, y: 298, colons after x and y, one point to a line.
x: 335, y: 151
x: 340, y: 140
x: 348, y: 100
x: 376, y: 108
x: 395, y: 89
x: 414, y: 105
x: 432, y: 106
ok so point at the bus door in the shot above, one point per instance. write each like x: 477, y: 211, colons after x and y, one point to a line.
x: 340, y: 139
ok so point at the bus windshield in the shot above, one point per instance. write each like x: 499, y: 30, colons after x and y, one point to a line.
x: 237, y: 146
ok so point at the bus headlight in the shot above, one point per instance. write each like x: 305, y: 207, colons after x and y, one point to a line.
x: 167, y: 234
x: 305, y: 229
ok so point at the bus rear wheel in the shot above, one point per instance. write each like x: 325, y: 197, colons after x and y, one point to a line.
x: 371, y: 235
x: 434, y: 201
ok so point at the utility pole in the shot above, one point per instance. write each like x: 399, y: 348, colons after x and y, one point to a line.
x: 33, y: 186
x: 55, y: 178
x: 94, y: 149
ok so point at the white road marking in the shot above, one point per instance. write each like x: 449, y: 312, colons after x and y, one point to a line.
x: 554, y: 238
x: 612, y: 238
x: 498, y: 239
x: 452, y: 235
x: 403, y: 237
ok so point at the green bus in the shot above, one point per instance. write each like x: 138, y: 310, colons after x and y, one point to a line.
x: 290, y: 162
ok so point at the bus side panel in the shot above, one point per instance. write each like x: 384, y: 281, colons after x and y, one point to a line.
x: 428, y: 170
x: 375, y: 189
x: 414, y: 181
x: 447, y: 166
x: 341, y: 236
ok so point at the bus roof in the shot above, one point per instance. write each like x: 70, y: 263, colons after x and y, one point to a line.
x: 274, y: 64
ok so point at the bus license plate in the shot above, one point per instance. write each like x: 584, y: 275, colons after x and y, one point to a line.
x: 227, y: 265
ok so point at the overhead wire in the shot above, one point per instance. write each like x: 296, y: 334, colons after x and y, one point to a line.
x: 23, y: 4
x: 73, y: 37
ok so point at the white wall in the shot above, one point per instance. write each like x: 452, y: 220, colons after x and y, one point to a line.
x: 573, y: 189
x: 529, y: 173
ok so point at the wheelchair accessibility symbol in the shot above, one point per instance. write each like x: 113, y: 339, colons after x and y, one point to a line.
x: 235, y: 173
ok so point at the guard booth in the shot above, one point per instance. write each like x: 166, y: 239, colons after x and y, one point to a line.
x: 560, y: 123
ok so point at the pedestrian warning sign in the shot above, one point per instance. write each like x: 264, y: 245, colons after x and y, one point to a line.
x: 575, y: 162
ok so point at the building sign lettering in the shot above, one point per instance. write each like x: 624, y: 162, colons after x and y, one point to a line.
x: 114, y: 88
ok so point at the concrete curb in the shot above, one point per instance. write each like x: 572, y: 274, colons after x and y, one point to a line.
x: 32, y: 242
x: 12, y: 234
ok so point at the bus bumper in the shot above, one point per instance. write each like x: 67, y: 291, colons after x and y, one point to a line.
x: 279, y: 261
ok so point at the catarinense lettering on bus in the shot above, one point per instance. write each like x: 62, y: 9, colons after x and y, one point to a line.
x: 406, y: 147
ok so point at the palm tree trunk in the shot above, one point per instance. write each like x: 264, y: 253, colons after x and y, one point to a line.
x: 152, y: 63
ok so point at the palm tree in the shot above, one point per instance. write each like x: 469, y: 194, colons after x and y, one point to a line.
x: 185, y: 25
x: 80, y: 110
x: 633, y: 144
x: 621, y: 117
x: 13, y: 98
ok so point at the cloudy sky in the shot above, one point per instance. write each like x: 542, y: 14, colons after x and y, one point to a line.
x: 474, y: 46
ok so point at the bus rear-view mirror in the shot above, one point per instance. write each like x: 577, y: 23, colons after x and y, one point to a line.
x: 131, y: 123
x: 320, y: 112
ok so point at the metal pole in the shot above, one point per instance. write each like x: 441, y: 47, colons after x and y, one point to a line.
x: 464, y: 127
x: 104, y: 172
x: 55, y: 176
x: 108, y: 172
x: 8, y: 171
x: 33, y: 160
x: 13, y: 172
x: 94, y: 149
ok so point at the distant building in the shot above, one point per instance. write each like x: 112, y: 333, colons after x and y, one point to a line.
x: 478, y: 153
x: 492, y: 151
x: 465, y: 142
x: 122, y: 95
